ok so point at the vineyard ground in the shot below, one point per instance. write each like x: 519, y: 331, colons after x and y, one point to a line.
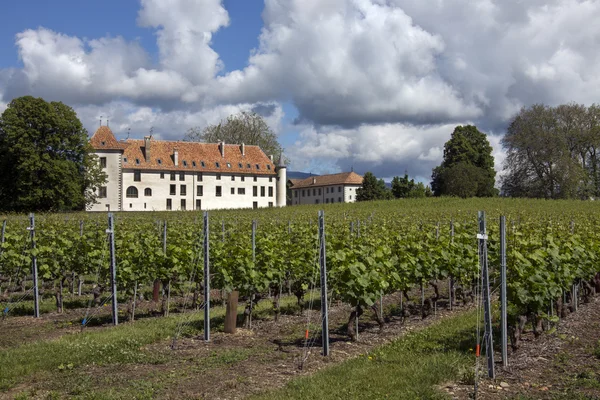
x: 562, y: 365
x: 135, y: 360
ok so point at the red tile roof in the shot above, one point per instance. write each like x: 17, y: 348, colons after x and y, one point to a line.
x: 343, y: 178
x: 103, y: 139
x: 192, y: 156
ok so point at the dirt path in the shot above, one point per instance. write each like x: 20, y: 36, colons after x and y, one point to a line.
x: 560, y: 365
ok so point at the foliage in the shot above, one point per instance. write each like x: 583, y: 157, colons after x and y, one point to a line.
x: 552, y: 152
x: 467, y: 169
x: 402, y: 187
x: 372, y: 189
x: 246, y: 127
x: 46, y: 150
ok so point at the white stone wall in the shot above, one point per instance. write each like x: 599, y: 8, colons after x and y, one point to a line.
x: 113, y: 170
x: 161, y: 191
x: 333, y: 193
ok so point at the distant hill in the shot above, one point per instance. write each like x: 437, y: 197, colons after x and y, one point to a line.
x: 299, y: 175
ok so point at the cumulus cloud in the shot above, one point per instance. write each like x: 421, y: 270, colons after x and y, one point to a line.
x: 378, y: 84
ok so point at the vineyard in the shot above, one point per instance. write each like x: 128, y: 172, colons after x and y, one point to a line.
x: 423, y: 254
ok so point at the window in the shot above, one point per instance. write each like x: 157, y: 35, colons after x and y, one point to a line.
x: 339, y: 189
x: 232, y: 190
x: 254, y: 191
x: 218, y: 191
x: 184, y: 163
x: 159, y: 161
x: 173, y: 190
x: 255, y: 178
x: 241, y: 190
x: 255, y: 204
x: 270, y: 191
x: 326, y: 201
x: 270, y: 204
x: 137, y: 161
x: 316, y: 201
x: 248, y: 165
x: 102, y: 162
x: 228, y: 165
x: 147, y: 192
x: 124, y: 159
x: 182, y: 176
x: 233, y: 177
x: 172, y: 176
x: 240, y: 165
x: 295, y: 193
x: 199, y: 190
x: 243, y: 178
x: 183, y: 204
x: 102, y: 192
x: 144, y: 206
x: 198, y: 204
x: 132, y: 192
x: 169, y: 205
x: 269, y: 167
x: 303, y: 193
x: 162, y: 175
x: 218, y: 165
x: 350, y: 197
x: 103, y: 143
x: 182, y: 190
x: 262, y: 191
x: 137, y: 176
x: 339, y: 199
x: 257, y: 166
x: 314, y: 192
x: 218, y: 177
x: 319, y: 191
x: 202, y: 163
x: 270, y: 179
x: 200, y: 176
x: 130, y: 205
x: 194, y: 164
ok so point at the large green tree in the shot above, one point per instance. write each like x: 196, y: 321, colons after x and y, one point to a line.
x: 46, y: 161
x: 467, y: 155
x: 372, y: 189
x: 402, y: 187
x: 245, y: 127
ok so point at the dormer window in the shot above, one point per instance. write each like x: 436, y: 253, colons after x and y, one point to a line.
x: 194, y: 164
x: 184, y: 163
x: 124, y: 159
x: 240, y: 165
x: 268, y: 167
x: 137, y: 161
x: 257, y: 166
x: 248, y: 166
x: 103, y: 143
x: 218, y: 165
x: 159, y: 161
x: 228, y: 165
x: 202, y: 163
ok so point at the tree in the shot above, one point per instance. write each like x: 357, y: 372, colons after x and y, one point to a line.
x: 469, y: 151
x: 550, y: 153
x: 245, y: 127
x: 372, y: 189
x: 402, y: 187
x: 46, y: 158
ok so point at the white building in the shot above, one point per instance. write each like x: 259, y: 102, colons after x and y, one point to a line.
x: 159, y: 175
x: 324, y: 189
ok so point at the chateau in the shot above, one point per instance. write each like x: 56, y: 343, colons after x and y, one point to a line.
x: 156, y: 175
x: 324, y: 189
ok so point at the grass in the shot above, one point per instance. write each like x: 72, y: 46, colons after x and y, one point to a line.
x: 409, y: 368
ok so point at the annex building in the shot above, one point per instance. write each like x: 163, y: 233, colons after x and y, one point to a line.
x: 325, y: 189
x: 156, y: 175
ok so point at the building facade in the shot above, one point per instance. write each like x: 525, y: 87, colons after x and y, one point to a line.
x: 325, y: 189
x: 157, y: 175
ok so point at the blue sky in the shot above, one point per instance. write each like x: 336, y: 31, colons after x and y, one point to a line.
x: 378, y: 86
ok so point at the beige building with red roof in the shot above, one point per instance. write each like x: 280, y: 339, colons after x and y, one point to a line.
x: 149, y: 174
x: 325, y: 189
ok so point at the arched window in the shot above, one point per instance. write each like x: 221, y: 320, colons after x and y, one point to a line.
x: 132, y: 192
x: 147, y: 192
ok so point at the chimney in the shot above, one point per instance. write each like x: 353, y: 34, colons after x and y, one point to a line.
x: 147, y: 147
x: 243, y: 149
x: 271, y: 157
x: 176, y: 156
x: 314, y: 180
x: 222, y: 148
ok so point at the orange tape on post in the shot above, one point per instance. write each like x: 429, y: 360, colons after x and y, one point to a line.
x: 477, y: 351
x: 306, y: 334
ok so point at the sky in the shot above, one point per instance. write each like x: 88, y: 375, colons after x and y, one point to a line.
x: 373, y: 85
